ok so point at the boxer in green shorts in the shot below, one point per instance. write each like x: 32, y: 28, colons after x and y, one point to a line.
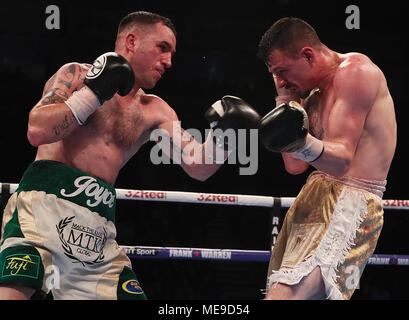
x: 89, y: 122
x: 60, y: 224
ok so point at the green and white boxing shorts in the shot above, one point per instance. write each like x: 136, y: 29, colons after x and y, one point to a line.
x: 58, y: 234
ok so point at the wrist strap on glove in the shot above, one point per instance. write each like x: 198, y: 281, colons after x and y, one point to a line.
x: 83, y: 103
x: 311, y: 151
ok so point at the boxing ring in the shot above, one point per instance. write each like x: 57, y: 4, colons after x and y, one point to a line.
x: 175, y: 253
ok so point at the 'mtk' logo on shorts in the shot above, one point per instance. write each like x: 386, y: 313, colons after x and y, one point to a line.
x: 83, y: 244
x: 91, y: 188
x: 97, y: 67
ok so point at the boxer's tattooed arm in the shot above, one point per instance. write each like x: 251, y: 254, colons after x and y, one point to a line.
x: 62, y: 84
x: 64, y: 124
x: 58, y: 89
x: 68, y: 75
x: 73, y: 76
x: 55, y: 95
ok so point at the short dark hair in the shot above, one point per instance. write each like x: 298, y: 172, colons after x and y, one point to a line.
x: 145, y: 18
x: 287, y: 34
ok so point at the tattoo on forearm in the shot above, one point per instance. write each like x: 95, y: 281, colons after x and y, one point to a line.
x: 56, y: 95
x: 64, y: 124
x: 60, y: 86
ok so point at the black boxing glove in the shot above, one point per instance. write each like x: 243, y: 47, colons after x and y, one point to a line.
x: 285, y: 129
x: 110, y: 73
x: 230, y: 113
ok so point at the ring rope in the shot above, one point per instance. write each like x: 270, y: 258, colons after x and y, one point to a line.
x: 174, y: 253
x: 228, y: 199
x: 210, y: 198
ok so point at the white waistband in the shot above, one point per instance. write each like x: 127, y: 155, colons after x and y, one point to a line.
x: 376, y: 187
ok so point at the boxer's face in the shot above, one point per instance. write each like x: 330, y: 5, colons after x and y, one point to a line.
x: 292, y: 73
x: 153, y: 55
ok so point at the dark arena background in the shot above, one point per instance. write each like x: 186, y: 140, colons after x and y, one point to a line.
x: 216, y: 55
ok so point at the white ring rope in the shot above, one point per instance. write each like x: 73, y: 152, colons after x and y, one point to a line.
x: 213, y: 198
x: 226, y: 199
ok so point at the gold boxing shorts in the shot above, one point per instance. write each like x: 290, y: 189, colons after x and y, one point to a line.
x: 334, y: 223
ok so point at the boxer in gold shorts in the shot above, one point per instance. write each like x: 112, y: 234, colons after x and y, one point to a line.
x: 335, y: 113
x: 334, y: 224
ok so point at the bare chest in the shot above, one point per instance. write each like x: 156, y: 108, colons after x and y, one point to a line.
x: 121, y: 128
